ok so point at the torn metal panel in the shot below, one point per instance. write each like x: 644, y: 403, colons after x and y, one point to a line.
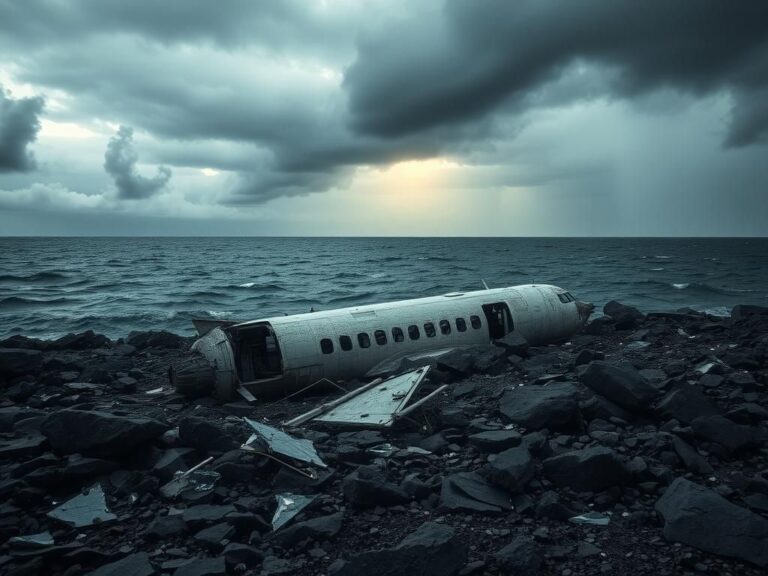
x: 378, y: 406
x: 84, y: 509
x: 32, y: 541
x: 276, y: 441
x: 591, y: 518
x: 288, y: 507
x: 400, y: 364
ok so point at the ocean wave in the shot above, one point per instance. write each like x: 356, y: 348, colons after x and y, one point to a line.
x: 708, y: 288
x: 256, y: 287
x: 21, y: 301
x: 36, y: 277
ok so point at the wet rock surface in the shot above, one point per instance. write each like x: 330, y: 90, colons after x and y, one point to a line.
x: 657, y: 421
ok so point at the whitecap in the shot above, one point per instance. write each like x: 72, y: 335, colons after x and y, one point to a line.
x: 247, y: 285
x: 663, y: 257
x: 682, y: 286
x: 656, y: 269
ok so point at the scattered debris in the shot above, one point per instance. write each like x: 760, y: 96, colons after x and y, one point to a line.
x: 193, y: 479
x: 84, y: 509
x: 592, y: 518
x: 269, y: 441
x: 40, y: 540
x: 377, y: 404
x: 288, y: 506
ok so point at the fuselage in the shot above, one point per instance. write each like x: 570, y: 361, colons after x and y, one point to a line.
x: 285, y: 353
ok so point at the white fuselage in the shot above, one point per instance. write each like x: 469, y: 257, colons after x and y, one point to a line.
x: 287, y: 352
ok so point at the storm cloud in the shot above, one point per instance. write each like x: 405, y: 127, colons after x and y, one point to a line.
x: 19, y: 124
x: 120, y: 163
x: 268, y: 102
x: 474, y: 57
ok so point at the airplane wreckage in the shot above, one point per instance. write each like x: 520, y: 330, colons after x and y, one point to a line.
x: 283, y: 355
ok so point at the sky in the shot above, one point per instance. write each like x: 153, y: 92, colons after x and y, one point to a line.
x: 384, y: 117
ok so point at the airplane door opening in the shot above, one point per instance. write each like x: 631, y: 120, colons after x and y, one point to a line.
x: 499, y: 319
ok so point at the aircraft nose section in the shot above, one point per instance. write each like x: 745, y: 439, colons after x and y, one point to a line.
x: 585, y: 310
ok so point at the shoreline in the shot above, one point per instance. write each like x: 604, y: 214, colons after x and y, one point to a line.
x: 636, y: 417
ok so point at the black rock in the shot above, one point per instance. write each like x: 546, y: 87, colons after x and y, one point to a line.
x: 470, y: 492
x: 513, y: 343
x: 26, y: 446
x: 203, y: 567
x: 212, y: 537
x: 626, y: 317
x: 520, y: 557
x: 199, y: 433
x: 745, y: 311
x: 685, y: 403
x: 550, y: 506
x: 495, y: 440
x: 98, y: 434
x: 322, y: 528
x: 553, y: 406
x: 589, y: 469
x: 133, y: 565
x: 431, y: 550
x: 236, y: 553
x: 88, y: 340
x: 156, y: 339
x: 367, y: 487
x: 722, y: 431
x: 163, y: 527
x: 620, y: 384
x: 19, y: 361
x: 587, y: 356
x: 202, y: 514
x: 172, y: 461
x: 701, y: 518
x: 511, y: 469
x: 694, y: 461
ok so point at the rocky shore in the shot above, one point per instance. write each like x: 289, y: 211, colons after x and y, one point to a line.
x: 638, y: 447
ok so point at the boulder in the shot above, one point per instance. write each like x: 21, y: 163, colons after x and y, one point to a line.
x: 699, y: 517
x: 513, y: 343
x: 720, y: 430
x: 744, y: 311
x: 685, y: 403
x: 469, y: 492
x: 322, y: 528
x: 203, y: 567
x: 553, y: 406
x: 87, y: 340
x: 156, y: 339
x: 202, y: 434
x: 19, y: 361
x: 511, y: 469
x: 589, y: 469
x: 367, y: 487
x: 694, y: 461
x: 520, y: 557
x: 236, y: 553
x: 620, y: 384
x: 625, y: 317
x: 132, y: 565
x: 431, y: 550
x: 495, y: 440
x: 100, y: 434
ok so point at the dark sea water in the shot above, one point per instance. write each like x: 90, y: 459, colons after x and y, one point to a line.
x: 51, y: 286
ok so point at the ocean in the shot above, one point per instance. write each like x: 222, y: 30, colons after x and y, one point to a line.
x: 52, y: 286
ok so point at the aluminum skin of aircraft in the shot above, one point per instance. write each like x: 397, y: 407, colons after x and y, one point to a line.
x: 283, y: 354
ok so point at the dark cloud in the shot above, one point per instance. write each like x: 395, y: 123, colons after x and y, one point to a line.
x: 120, y: 163
x: 475, y: 56
x: 19, y: 124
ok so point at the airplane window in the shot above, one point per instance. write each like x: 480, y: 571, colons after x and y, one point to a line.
x: 364, y: 340
x: 563, y: 298
x: 429, y: 329
x: 445, y: 327
x: 570, y: 297
x: 397, y: 335
x: 381, y: 337
x: 326, y: 345
x: 475, y: 321
x: 461, y: 325
x: 413, y: 332
x: 345, y: 342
